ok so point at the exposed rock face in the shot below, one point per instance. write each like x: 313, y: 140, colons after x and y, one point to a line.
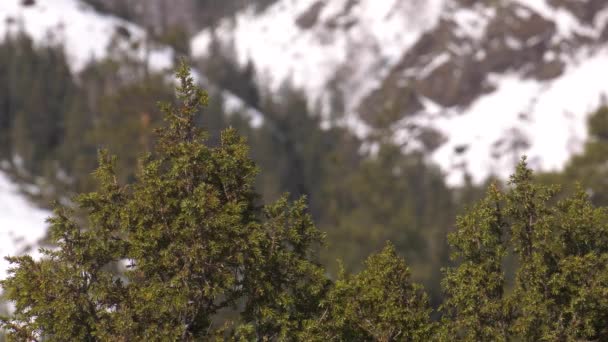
x: 584, y: 10
x: 155, y: 14
x: 470, y: 82
x: 310, y: 17
x: 450, y: 67
x: 189, y: 15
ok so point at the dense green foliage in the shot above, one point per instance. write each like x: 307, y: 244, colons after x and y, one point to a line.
x: 186, y: 251
x: 133, y: 254
x: 561, y: 282
x: 360, y: 199
x: 378, y: 304
x: 194, y: 243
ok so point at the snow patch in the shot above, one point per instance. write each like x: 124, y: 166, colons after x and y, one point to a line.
x: 22, y: 225
x: 471, y: 23
x: 544, y: 120
x: 433, y: 64
x: 358, y: 46
x: 234, y: 104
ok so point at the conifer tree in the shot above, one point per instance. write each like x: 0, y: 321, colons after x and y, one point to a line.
x: 561, y: 281
x: 194, y: 243
x: 473, y: 303
x: 378, y: 304
x: 187, y: 252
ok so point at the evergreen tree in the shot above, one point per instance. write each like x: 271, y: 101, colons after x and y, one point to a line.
x: 378, y: 304
x: 473, y: 304
x: 561, y: 280
x: 194, y: 243
x: 187, y: 252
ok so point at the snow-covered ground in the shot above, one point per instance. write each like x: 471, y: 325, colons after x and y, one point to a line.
x: 22, y: 224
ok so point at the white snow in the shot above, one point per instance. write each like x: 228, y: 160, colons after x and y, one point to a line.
x: 471, y: 23
x: 432, y: 65
x: 601, y: 20
x: 234, y: 104
x: 544, y: 120
x: 361, y: 44
x: 22, y: 225
x: 549, y: 116
x: 513, y: 43
x: 523, y: 13
x: 84, y: 33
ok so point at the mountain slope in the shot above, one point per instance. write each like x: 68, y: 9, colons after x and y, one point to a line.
x: 474, y: 84
x: 311, y: 43
x: 85, y: 34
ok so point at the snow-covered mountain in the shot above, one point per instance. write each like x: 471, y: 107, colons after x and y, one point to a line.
x: 474, y: 83
x: 88, y: 35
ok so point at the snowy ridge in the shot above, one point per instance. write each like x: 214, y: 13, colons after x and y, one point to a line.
x: 88, y: 35
x: 22, y: 225
x: 311, y: 42
x: 567, y: 24
x: 536, y: 106
x: 84, y: 33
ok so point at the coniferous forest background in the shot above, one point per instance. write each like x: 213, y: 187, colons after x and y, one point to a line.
x: 54, y: 122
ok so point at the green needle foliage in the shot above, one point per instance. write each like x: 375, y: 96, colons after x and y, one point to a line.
x: 378, y: 304
x: 474, y: 290
x: 187, y: 253
x: 560, y: 290
x: 194, y: 244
